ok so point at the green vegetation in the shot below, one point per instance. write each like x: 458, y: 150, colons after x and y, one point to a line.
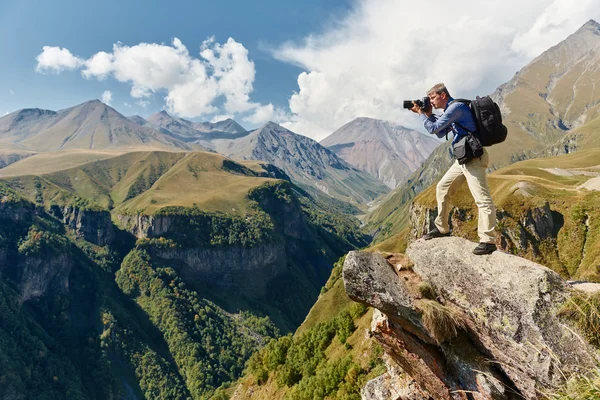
x: 306, y: 366
x: 580, y: 387
x: 207, y: 346
x: 583, y: 310
x: 40, y: 243
x: 192, y: 227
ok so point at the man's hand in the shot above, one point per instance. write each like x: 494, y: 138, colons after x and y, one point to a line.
x: 418, y: 110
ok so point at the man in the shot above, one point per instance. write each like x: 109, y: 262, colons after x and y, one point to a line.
x: 457, y: 118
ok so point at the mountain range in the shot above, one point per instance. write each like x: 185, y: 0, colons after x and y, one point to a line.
x: 91, y: 125
x: 364, y: 157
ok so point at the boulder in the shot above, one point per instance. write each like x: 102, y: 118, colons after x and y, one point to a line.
x: 491, y: 329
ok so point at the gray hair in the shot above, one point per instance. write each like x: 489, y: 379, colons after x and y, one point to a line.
x: 439, y: 89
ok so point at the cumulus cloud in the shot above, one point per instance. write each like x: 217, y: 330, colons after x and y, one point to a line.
x: 193, y: 85
x: 107, y: 97
x: 220, y: 117
x: 56, y: 59
x: 386, y: 51
x: 555, y: 23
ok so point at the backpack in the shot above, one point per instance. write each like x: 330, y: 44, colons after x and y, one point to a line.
x: 488, y: 120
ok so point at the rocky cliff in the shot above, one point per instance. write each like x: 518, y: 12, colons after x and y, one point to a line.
x: 95, y: 226
x: 463, y: 326
x: 37, y: 260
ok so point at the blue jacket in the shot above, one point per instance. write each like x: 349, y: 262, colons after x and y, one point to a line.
x: 455, y: 112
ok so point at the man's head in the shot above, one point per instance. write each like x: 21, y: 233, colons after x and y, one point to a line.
x: 439, y: 95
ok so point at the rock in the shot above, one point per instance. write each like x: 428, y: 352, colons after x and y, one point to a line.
x: 41, y: 276
x: 94, y: 226
x: 507, y: 341
x: 587, y: 287
x: 392, y: 385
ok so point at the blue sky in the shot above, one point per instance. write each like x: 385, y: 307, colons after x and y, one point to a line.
x: 87, y: 27
x: 311, y: 66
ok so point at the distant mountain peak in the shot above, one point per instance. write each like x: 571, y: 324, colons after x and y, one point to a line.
x: 164, y: 113
x: 591, y: 24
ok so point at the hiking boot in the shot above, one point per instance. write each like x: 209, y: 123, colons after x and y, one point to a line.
x: 484, y: 248
x: 434, y: 233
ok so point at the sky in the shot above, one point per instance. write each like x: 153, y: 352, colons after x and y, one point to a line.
x: 311, y: 66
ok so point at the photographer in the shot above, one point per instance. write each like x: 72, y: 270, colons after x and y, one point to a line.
x: 457, y: 118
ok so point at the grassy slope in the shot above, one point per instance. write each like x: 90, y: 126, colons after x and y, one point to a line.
x: 147, y: 180
x: 43, y: 163
x: 205, y: 183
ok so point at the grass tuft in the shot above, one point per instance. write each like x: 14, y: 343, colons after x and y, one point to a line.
x: 426, y: 290
x: 580, y: 387
x: 443, y: 323
x: 583, y: 309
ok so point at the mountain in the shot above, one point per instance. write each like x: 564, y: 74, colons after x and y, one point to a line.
x: 198, y: 132
x: 551, y: 96
x: 138, y: 120
x: 305, y: 161
x: 387, y: 151
x: 90, y: 125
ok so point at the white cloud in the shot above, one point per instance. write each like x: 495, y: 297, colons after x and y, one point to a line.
x: 107, y: 97
x: 11, y: 92
x: 192, y: 84
x: 261, y: 114
x: 143, y: 103
x: 55, y: 59
x: 386, y: 51
x: 126, y: 104
x: 560, y: 19
x: 220, y: 117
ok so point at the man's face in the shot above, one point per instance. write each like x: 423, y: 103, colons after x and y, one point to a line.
x: 437, y: 100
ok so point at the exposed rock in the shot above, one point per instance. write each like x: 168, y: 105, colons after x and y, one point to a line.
x: 392, y: 385
x: 233, y: 268
x: 94, y: 226
x: 507, y: 341
x: 42, y: 276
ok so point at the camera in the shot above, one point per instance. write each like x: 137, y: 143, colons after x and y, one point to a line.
x: 424, y: 104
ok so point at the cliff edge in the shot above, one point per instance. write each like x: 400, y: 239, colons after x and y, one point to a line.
x: 465, y: 326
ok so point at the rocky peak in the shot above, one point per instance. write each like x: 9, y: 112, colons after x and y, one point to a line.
x: 591, y: 26
x: 458, y: 323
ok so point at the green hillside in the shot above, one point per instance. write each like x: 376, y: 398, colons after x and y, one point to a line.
x: 147, y: 181
x: 147, y: 323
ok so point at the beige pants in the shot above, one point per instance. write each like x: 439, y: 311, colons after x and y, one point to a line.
x: 474, y: 173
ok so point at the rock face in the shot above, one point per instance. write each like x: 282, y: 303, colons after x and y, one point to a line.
x: 40, y: 276
x: 392, y: 385
x: 492, y: 330
x: 94, y: 226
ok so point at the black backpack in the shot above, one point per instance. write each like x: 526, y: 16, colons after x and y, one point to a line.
x: 488, y: 120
